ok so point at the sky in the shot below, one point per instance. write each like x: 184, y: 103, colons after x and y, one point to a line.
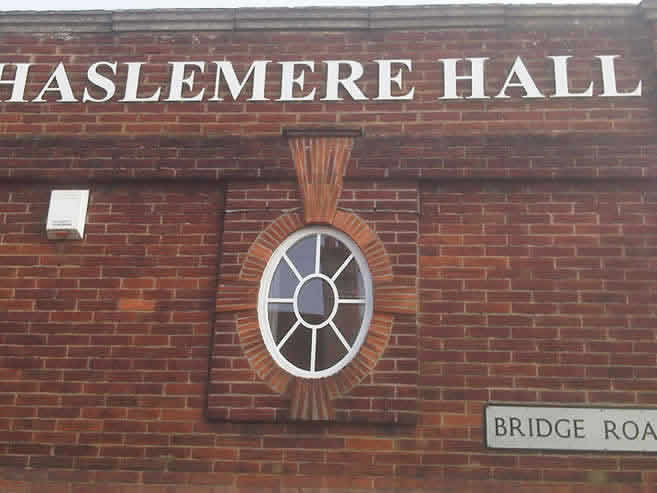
x: 151, y: 4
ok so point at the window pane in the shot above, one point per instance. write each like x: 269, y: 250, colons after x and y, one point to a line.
x: 281, y: 319
x: 284, y: 282
x: 349, y: 319
x: 329, y: 348
x: 297, y: 348
x: 302, y: 255
x: 333, y: 255
x: 316, y: 301
x: 350, y: 282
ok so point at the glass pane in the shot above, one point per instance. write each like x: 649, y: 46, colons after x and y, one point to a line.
x: 316, y: 301
x: 281, y: 319
x: 284, y: 282
x: 334, y: 253
x: 302, y: 255
x: 350, y: 282
x: 348, y: 320
x: 297, y: 348
x: 329, y: 349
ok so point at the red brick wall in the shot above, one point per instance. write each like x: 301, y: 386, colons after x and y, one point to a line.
x: 536, y: 293
x: 535, y: 245
x: 529, y: 293
x: 104, y: 342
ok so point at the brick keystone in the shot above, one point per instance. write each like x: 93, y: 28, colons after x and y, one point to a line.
x: 320, y: 163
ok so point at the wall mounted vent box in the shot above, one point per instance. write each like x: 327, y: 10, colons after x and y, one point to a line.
x: 67, y: 214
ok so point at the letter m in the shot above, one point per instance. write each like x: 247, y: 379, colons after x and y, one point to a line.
x: 257, y: 70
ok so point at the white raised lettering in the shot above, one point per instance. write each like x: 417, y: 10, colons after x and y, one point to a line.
x: 386, y: 79
x: 179, y: 81
x: 609, y: 78
x: 62, y: 86
x: 257, y: 70
x: 476, y: 78
x: 19, y: 82
x: 334, y: 81
x: 132, y: 85
x: 524, y: 80
x: 101, y: 81
x: 561, y: 80
x: 289, y: 81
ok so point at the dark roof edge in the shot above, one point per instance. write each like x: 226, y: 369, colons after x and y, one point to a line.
x: 327, y: 18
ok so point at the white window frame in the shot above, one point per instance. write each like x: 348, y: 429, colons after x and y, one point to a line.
x: 279, y: 256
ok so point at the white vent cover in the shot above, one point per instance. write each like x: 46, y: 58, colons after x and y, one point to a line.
x: 67, y: 214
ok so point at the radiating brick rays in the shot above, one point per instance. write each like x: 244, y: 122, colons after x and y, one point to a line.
x: 393, y: 298
x: 320, y: 163
x: 310, y: 400
x: 313, y: 399
x: 237, y: 296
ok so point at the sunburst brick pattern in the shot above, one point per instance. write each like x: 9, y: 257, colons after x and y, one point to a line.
x: 393, y: 298
x: 237, y: 296
x: 336, y: 397
x: 367, y: 241
x: 309, y: 400
x: 320, y: 163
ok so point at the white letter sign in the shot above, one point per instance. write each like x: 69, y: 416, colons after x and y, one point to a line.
x: 386, y: 78
x: 609, y: 78
x: 477, y: 77
x: 18, y: 84
x: 178, y: 80
x: 524, y: 80
x: 561, y: 80
x: 332, y: 80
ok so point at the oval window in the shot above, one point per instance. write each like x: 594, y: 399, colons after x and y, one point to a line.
x: 315, y: 302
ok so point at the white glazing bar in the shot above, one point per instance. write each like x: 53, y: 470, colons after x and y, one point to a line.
x: 340, y: 336
x: 280, y: 300
x: 342, y: 267
x: 292, y: 266
x: 353, y: 301
x: 317, y: 252
x: 313, y: 351
x: 288, y: 335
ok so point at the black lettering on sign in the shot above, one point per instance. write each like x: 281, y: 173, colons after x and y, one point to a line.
x: 579, y: 428
x: 541, y: 431
x: 630, y: 430
x: 610, y: 427
x: 561, y: 432
x: 515, y: 426
x: 500, y: 428
x: 649, y: 429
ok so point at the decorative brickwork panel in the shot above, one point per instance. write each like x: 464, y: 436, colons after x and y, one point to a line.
x: 320, y: 163
x: 373, y: 387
